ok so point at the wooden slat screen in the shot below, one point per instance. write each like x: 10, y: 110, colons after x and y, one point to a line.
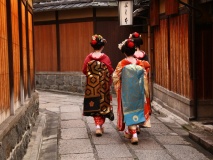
x: 161, y: 54
x: 179, y: 54
x: 4, y: 70
x: 16, y: 50
x: 173, y: 73
x: 24, y: 42
x: 45, y: 48
x: 30, y: 33
x: 74, y: 44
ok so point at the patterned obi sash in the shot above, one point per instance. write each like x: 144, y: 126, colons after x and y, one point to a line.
x: 132, y: 90
x: 97, y: 89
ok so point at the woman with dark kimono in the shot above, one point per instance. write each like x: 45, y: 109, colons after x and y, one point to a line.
x: 131, y: 86
x: 98, y: 70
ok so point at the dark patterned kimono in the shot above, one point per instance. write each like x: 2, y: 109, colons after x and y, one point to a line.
x: 97, y: 90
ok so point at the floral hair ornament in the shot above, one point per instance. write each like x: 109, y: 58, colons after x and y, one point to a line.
x: 97, y: 38
x: 121, y: 44
x: 130, y: 43
x: 134, y: 35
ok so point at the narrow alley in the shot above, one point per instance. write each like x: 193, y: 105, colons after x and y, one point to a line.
x: 62, y: 133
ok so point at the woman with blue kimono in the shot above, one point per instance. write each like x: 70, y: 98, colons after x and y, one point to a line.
x: 131, y: 86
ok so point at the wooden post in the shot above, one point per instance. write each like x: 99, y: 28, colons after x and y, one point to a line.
x: 171, y: 7
x: 154, y: 12
x: 10, y: 57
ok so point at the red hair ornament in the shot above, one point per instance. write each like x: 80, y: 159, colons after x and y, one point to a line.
x: 93, y: 42
x: 136, y: 35
x: 130, y: 44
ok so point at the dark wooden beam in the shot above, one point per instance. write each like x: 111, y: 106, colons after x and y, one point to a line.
x: 171, y: 7
x: 58, y: 42
x: 28, y: 52
x: 154, y: 12
x: 10, y: 56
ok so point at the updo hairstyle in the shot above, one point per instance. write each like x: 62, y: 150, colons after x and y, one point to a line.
x: 97, y: 42
x: 137, y: 39
x: 127, y: 47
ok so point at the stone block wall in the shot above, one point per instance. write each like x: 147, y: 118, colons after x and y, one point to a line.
x: 15, y: 131
x: 61, y: 81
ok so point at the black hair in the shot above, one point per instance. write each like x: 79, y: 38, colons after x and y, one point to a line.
x: 137, y: 39
x: 97, y: 42
x: 128, y: 50
x: 98, y: 45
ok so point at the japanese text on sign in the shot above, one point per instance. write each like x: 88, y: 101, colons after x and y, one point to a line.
x: 125, y: 11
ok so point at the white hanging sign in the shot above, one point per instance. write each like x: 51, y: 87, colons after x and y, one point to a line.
x: 126, y: 12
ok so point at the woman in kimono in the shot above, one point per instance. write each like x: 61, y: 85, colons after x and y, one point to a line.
x: 98, y: 70
x: 130, y: 83
x: 139, y: 54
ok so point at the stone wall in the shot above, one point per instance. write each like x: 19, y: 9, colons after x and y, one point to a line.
x: 61, y: 81
x: 15, y: 131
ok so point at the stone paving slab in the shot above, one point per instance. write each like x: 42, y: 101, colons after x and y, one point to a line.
x: 113, y: 151
x: 117, y: 158
x: 69, y: 116
x: 107, y: 138
x: 145, y: 143
x: 77, y: 146
x: 171, y: 140
x: 49, y: 105
x: 74, y: 133
x: 154, y: 120
x: 72, y: 124
x: 70, y: 108
x: 153, y: 155
x: 185, y: 152
x: 85, y: 156
x: 159, y: 129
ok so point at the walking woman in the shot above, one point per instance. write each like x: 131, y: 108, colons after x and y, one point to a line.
x: 139, y: 54
x: 98, y: 70
x: 129, y: 80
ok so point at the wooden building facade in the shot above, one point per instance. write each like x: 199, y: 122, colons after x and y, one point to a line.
x: 18, y: 99
x: 16, y: 56
x: 178, y: 40
x: 62, y: 37
x: 62, y: 34
x: 182, y: 65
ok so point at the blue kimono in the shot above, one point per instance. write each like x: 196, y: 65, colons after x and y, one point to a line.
x: 132, y: 88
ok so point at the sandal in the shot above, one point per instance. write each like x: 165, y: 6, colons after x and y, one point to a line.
x: 134, y: 140
x: 99, y: 132
x: 127, y: 135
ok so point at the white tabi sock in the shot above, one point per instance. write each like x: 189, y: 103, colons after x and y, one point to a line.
x: 135, y: 135
x: 98, y: 126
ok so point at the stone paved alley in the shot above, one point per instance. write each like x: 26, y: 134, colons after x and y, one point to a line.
x: 62, y: 133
